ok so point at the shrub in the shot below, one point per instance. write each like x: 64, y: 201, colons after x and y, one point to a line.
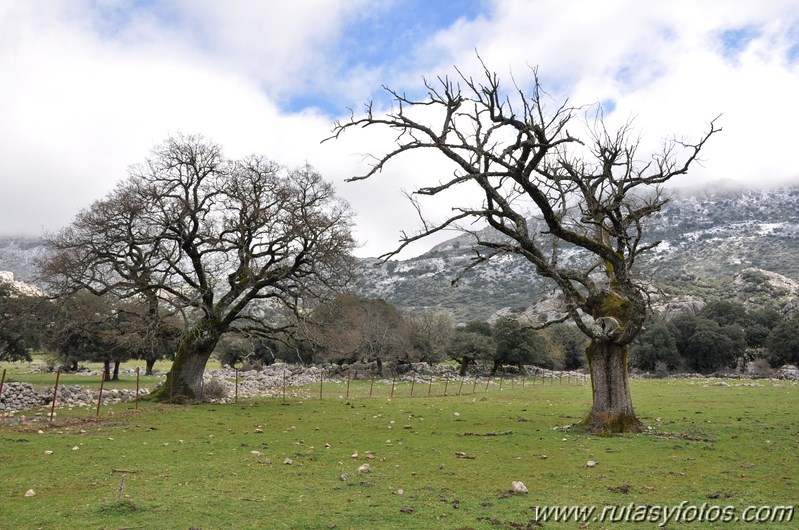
x: 760, y: 368
x: 661, y: 370
x: 214, y: 389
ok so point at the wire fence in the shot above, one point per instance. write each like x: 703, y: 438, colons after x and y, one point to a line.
x: 288, y: 383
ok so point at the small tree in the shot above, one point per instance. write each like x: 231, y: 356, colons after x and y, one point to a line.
x: 14, y: 312
x: 518, y: 345
x: 592, y: 193
x: 656, y: 344
x: 466, y: 347
x: 712, y: 347
x: 430, y: 336
x: 350, y: 328
x: 571, y: 343
x: 783, y: 343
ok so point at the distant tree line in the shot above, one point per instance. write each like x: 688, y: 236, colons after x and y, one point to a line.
x: 724, y: 335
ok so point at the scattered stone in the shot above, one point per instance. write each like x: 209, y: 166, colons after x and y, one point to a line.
x: 364, y: 468
x: 590, y: 463
x: 518, y: 487
x: 30, y: 493
x: 399, y: 492
x: 48, y: 453
x: 75, y: 448
x: 256, y: 453
x: 288, y: 461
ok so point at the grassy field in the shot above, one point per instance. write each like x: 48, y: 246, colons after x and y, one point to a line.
x: 435, y: 462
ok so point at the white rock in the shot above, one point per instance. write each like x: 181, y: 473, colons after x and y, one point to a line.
x: 364, y: 468
x: 590, y: 463
x: 48, y: 453
x: 518, y: 487
x: 30, y: 493
x: 75, y: 448
x: 288, y: 461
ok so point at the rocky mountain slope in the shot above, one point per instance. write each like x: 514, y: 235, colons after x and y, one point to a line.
x: 18, y: 255
x: 714, y: 244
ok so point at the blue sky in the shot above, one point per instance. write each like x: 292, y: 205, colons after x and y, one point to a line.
x: 90, y: 86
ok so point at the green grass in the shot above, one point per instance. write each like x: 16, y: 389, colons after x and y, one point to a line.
x: 194, y: 466
x: 21, y: 372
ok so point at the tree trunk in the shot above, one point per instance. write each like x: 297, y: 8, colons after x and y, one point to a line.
x: 148, y: 367
x: 379, y: 366
x: 107, y: 370
x: 465, y: 361
x: 612, y: 411
x: 115, y: 376
x: 184, y: 381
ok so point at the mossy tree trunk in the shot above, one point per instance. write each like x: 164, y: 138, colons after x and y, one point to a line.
x: 184, y: 381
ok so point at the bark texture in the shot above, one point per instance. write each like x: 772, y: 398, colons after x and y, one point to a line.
x: 612, y: 410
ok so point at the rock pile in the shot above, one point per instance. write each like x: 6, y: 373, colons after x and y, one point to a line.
x: 22, y: 396
x: 789, y: 372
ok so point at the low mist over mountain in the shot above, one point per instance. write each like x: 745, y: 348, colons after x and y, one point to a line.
x: 717, y: 243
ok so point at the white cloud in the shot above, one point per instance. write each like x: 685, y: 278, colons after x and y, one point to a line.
x: 89, y: 87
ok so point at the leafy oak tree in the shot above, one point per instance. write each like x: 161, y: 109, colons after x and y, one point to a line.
x: 229, y: 244
x: 590, y: 191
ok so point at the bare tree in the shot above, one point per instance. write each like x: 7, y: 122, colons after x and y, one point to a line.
x: 351, y: 329
x: 230, y: 244
x: 589, y: 192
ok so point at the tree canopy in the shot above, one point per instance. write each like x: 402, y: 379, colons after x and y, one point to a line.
x: 229, y: 244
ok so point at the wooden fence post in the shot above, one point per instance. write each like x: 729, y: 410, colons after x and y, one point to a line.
x: 100, y: 397
x: 55, y: 393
